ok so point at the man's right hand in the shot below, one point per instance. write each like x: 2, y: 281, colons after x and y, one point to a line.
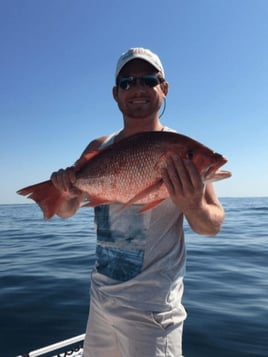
x: 64, y: 179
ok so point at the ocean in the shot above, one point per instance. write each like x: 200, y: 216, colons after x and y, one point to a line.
x: 45, y: 279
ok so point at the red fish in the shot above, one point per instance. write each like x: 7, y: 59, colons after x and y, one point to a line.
x: 129, y: 172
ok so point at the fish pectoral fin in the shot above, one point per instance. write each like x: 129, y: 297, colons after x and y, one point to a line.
x: 151, y: 205
x: 139, y: 196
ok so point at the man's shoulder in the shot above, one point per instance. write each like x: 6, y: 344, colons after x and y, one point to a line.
x: 166, y: 128
x: 95, y: 144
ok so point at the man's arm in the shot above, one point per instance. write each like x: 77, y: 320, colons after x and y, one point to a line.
x: 196, y: 200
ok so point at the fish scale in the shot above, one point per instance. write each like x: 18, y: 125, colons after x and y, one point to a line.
x: 139, y: 170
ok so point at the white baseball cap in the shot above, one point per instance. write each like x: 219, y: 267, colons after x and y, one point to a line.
x: 140, y: 53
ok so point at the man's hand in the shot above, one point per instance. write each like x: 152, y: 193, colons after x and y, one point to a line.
x: 197, y: 201
x: 64, y: 179
x: 184, y: 183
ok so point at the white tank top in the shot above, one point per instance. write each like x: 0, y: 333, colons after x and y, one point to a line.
x: 140, y: 258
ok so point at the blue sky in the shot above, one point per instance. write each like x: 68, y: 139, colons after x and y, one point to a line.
x: 57, y: 67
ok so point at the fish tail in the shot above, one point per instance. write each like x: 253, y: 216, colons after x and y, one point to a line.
x: 46, y: 195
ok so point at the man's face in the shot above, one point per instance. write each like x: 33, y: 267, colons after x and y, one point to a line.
x: 139, y: 100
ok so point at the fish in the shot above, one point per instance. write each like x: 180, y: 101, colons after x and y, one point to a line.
x: 129, y: 172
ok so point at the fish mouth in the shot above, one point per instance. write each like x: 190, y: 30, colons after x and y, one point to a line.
x: 213, y: 173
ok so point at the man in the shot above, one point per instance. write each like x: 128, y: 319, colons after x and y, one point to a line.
x: 137, y: 282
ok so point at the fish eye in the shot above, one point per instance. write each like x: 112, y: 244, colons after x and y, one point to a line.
x: 190, y: 155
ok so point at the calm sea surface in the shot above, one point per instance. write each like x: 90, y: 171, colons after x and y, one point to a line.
x: 45, y: 277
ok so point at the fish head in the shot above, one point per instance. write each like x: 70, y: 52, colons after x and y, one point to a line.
x: 205, y: 160
x: 208, y: 164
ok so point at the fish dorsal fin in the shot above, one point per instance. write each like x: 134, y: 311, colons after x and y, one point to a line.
x: 88, y: 156
x: 85, y: 158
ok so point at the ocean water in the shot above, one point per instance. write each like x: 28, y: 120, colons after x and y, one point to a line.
x: 45, y: 278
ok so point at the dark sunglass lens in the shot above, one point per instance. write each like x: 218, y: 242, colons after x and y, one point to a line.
x: 125, y: 83
x: 150, y: 81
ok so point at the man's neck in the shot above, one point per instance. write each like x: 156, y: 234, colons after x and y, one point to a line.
x: 134, y: 126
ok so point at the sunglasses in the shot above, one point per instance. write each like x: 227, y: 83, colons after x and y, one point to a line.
x: 149, y: 80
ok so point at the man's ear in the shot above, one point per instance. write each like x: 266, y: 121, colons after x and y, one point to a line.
x: 115, y: 93
x: 164, y: 87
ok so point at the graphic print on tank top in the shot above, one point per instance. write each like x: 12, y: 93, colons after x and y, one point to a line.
x: 120, y: 241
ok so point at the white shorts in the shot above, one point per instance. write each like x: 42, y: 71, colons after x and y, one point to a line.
x: 114, y: 330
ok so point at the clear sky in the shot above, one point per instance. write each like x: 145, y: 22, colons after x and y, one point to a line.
x: 57, y: 62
